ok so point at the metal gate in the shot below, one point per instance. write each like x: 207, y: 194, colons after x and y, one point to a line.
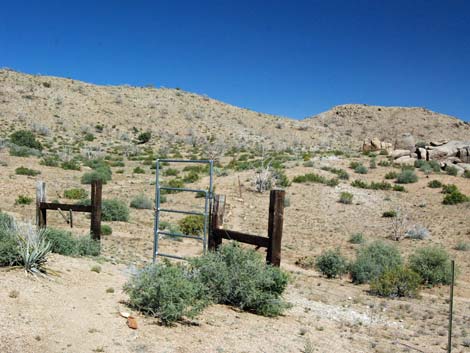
x: 207, y: 206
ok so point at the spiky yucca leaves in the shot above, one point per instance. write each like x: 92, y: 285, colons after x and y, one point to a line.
x: 33, y: 248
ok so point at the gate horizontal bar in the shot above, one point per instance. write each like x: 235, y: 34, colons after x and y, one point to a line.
x: 180, y: 235
x: 183, y: 212
x: 182, y: 189
x: 171, y: 256
x: 184, y: 161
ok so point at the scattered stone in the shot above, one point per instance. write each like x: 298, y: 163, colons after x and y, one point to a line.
x: 405, y: 160
x: 399, y: 153
x: 439, y: 143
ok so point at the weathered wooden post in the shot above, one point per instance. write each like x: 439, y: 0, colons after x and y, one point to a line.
x: 41, y: 214
x: 217, y: 220
x: 275, y: 224
x: 95, y: 226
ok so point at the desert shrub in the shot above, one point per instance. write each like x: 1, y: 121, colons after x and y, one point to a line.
x: 281, y: 178
x: 89, y: 137
x: 75, y: 194
x: 435, y: 166
x: 315, y: 178
x: 360, y: 184
x: 373, y: 260
x: 354, y: 164
x: 22, y: 151
x: 449, y: 188
x: 8, y: 243
x: 25, y: 138
x: 144, y: 137
x: 166, y: 291
x: 417, y: 232
x: 114, y: 210
x: 101, y: 171
x: 452, y: 170
x: 51, y: 160
x: 346, y: 198
x: 64, y: 243
x: 106, y: 229
x: 192, y: 225
x: 170, y: 172
x: 399, y: 188
x: 23, y: 200
x: 432, y: 264
x: 73, y: 164
x: 466, y: 173
x: 373, y: 163
x: 138, y: 170
x: 357, y: 238
x: 141, y: 202
x: 391, y: 175
x: 382, y: 185
x: 240, y: 277
x: 341, y: 173
x: 407, y: 176
x: 26, y: 171
x: 454, y: 198
x: 435, y: 184
x: 384, y: 163
x: 307, y: 262
x: 361, y: 169
x: 173, y: 183
x: 396, y: 282
x: 191, y: 177
x: 331, y: 264
x: 462, y: 246
x: 389, y: 214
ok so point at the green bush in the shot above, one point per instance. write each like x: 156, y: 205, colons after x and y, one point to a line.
x: 399, y: 188
x: 360, y: 184
x: 462, y: 246
x: 341, y: 173
x: 373, y: 163
x: 73, y: 164
x: 191, y: 225
x: 281, y: 178
x: 389, y: 214
x: 138, y: 170
x: 173, y: 183
x: 25, y: 138
x: 407, y: 176
x: 141, y: 202
x: 22, y: 151
x: 23, y: 200
x: 357, y: 238
x: 396, y: 282
x: 50, y: 161
x: 384, y: 163
x: 191, y: 177
x: 144, y: 137
x: 466, y: 173
x: 8, y: 243
x: 455, y: 198
x: 432, y: 264
x: 354, y: 164
x: 26, y: 171
x: 435, y: 184
x: 449, y: 188
x: 373, y: 260
x: 331, y: 264
x: 383, y: 185
x: 361, y: 169
x: 346, y: 198
x: 64, y: 243
x: 101, y: 171
x: 166, y: 291
x: 114, y: 210
x: 315, y: 178
x: 75, y: 194
x: 240, y: 277
x: 452, y: 170
x: 170, y: 172
x: 391, y: 175
x: 106, y: 229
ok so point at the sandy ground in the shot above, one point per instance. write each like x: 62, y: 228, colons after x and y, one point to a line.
x: 72, y: 312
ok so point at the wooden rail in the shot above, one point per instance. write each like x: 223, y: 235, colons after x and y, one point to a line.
x: 275, y: 225
x: 95, y: 208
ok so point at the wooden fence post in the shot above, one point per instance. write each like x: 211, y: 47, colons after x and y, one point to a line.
x: 216, y: 220
x: 41, y: 214
x: 275, y: 223
x: 95, y: 226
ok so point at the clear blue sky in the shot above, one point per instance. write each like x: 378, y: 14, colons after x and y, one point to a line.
x: 291, y: 58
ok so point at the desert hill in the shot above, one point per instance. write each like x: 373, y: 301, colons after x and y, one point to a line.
x: 69, y: 108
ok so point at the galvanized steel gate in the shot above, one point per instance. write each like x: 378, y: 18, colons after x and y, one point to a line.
x: 207, y: 206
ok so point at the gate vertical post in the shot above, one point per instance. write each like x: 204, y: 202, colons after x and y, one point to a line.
x: 275, y: 224
x: 41, y: 214
x: 95, y: 226
x: 217, y: 220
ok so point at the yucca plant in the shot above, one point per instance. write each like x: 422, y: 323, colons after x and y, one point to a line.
x: 33, y: 248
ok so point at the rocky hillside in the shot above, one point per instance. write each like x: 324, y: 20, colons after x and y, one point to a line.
x: 68, y: 108
x: 356, y: 122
